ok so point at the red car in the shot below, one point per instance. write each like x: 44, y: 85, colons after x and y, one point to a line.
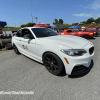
x: 76, y: 32
x: 93, y: 29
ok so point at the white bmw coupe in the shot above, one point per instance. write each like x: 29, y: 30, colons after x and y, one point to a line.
x: 57, y: 52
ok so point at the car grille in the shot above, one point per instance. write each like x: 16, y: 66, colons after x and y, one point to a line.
x: 91, y: 50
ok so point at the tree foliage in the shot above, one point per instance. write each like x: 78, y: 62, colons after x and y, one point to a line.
x: 84, y: 22
x: 75, y: 23
x: 97, y: 20
x: 56, y: 22
x: 60, y: 21
x: 28, y: 25
x: 23, y: 25
x: 48, y: 24
x: 90, y: 20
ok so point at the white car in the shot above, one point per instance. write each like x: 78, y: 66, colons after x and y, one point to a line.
x: 57, y: 52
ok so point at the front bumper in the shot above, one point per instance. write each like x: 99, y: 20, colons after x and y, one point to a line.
x: 80, y: 64
x: 77, y: 70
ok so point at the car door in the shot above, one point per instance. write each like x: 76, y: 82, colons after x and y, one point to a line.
x: 28, y: 45
x: 69, y: 32
x: 76, y: 32
x: 18, y: 40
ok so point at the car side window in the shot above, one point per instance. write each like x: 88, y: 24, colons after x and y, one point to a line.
x: 18, y: 34
x: 69, y: 31
x: 26, y: 32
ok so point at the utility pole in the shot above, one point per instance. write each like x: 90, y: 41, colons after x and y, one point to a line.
x: 32, y: 18
x: 8, y: 26
x: 20, y: 23
x: 36, y: 19
x: 15, y: 24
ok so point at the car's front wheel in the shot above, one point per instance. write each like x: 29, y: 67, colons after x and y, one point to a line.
x: 86, y: 36
x: 53, y: 63
x: 15, y: 49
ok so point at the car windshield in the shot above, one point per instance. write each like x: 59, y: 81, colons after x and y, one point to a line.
x: 43, y: 32
x: 76, y: 30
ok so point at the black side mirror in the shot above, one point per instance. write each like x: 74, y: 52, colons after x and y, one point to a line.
x: 28, y: 36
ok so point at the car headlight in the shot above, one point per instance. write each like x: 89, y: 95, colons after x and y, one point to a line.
x: 74, y: 52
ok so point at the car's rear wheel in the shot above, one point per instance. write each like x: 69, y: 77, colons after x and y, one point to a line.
x: 53, y: 63
x: 8, y: 46
x: 15, y: 49
x: 86, y: 36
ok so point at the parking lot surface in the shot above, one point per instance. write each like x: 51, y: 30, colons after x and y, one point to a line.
x: 20, y: 73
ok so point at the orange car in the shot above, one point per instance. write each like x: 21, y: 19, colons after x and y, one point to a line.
x: 76, y: 32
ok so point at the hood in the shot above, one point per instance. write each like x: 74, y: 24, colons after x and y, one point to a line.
x: 67, y: 40
x: 87, y: 27
x: 87, y: 32
x: 98, y: 27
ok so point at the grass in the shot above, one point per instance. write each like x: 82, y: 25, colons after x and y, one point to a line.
x: 3, y: 49
x: 85, y: 25
x: 17, y: 28
x: 11, y: 28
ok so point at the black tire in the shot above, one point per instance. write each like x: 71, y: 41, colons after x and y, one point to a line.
x: 15, y: 49
x: 86, y: 36
x: 8, y: 46
x: 53, y: 63
x: 0, y: 47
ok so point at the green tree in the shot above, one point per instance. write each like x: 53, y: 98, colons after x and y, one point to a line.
x: 28, y: 25
x: 60, y: 21
x: 56, y: 22
x: 75, y: 23
x: 90, y: 20
x: 48, y: 24
x: 23, y: 25
x: 84, y: 22
x: 97, y: 20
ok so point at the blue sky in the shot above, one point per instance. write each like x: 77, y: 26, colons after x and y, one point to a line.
x: 71, y: 11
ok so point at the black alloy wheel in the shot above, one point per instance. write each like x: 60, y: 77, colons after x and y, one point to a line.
x: 86, y: 36
x: 15, y: 49
x: 53, y: 63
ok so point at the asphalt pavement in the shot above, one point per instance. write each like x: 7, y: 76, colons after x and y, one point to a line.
x: 20, y: 73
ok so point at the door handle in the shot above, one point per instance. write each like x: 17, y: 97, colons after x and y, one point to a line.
x: 19, y: 40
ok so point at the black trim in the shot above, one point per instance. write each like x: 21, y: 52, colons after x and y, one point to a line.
x: 78, y: 70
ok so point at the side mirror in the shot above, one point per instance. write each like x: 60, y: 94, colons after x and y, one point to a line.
x: 28, y: 36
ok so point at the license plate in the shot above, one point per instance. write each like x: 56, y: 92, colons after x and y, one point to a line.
x: 89, y: 63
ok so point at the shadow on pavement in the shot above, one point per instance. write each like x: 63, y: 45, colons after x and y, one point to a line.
x: 97, y: 36
x: 61, y: 75
x: 64, y: 73
x: 33, y: 60
x: 92, y: 38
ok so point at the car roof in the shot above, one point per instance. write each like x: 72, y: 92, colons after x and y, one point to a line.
x: 32, y: 27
